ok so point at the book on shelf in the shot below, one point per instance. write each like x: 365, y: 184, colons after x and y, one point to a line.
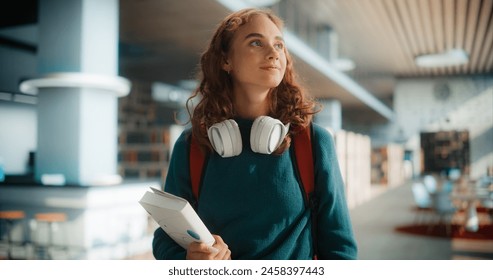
x: 176, y: 217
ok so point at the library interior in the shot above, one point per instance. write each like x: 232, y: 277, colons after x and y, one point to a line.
x: 93, y: 96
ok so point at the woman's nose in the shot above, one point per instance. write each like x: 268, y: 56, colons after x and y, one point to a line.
x: 273, y: 54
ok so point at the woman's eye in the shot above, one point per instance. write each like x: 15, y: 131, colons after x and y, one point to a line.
x: 279, y: 46
x: 256, y: 43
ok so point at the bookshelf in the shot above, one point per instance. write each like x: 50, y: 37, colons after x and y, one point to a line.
x: 387, y: 165
x: 445, y: 150
x: 144, y: 138
x: 353, y: 153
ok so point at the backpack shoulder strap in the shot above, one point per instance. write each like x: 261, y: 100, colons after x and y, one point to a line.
x: 303, y: 151
x: 197, y: 160
x: 304, y: 159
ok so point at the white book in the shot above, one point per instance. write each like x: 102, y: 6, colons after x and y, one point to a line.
x: 176, y: 217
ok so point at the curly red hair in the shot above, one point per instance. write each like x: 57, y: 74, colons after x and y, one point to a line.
x: 288, y: 101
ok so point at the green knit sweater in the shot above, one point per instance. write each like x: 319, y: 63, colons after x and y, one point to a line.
x: 255, y: 203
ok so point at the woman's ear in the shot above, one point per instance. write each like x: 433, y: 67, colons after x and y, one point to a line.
x: 227, y: 65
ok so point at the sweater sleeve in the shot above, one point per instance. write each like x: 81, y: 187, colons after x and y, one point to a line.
x: 177, y: 183
x: 334, y: 235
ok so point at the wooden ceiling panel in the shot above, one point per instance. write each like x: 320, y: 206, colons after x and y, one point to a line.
x: 481, y: 33
x: 425, y: 18
x: 449, y: 11
x: 472, y: 20
x: 398, y: 31
x: 401, y: 60
x: 414, y: 27
x: 487, y: 47
x: 416, y: 23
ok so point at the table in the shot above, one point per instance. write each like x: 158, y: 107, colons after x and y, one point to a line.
x: 103, y: 222
x: 472, y: 196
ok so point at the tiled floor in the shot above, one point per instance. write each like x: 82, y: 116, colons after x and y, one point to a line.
x: 374, y: 223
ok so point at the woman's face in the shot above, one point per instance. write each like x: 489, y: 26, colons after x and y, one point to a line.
x: 257, y: 59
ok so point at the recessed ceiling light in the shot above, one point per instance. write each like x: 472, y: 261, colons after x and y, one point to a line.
x: 343, y: 64
x: 451, y: 57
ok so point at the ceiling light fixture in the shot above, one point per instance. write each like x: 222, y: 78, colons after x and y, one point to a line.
x: 114, y: 84
x: 451, y: 57
x: 343, y: 64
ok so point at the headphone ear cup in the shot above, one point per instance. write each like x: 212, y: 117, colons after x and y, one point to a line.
x: 267, y: 134
x: 225, y: 138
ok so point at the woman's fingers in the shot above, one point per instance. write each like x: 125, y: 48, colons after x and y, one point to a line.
x: 201, y: 251
x: 223, y: 251
x: 198, y: 251
x: 213, y: 250
x: 224, y: 255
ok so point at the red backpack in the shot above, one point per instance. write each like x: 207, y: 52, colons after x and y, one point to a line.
x: 304, y: 163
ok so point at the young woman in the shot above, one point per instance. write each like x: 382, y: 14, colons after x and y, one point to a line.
x: 250, y: 196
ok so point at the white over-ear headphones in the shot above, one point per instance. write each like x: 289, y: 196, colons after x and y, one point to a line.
x: 266, y: 136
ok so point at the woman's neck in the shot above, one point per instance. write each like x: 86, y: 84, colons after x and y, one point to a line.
x: 250, y: 105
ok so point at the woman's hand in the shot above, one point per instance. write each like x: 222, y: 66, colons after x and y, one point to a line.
x: 201, y: 251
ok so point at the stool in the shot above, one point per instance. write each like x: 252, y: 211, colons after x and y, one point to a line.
x: 9, y: 217
x: 52, y: 219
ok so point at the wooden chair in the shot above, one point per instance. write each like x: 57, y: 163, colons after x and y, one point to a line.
x: 52, y: 220
x: 9, y: 218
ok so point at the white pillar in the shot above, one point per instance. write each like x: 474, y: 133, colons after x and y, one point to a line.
x: 78, y: 90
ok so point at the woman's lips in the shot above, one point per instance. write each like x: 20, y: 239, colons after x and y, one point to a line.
x: 269, y: 68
